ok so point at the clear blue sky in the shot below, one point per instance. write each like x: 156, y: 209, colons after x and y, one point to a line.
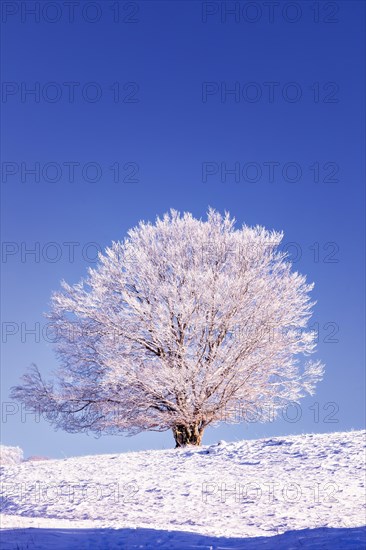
x: 298, y: 76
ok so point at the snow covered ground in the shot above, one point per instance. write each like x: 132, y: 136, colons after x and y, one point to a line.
x: 286, y: 492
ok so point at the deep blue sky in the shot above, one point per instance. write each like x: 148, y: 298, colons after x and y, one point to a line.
x: 170, y: 50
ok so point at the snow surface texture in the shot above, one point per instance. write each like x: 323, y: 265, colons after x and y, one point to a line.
x: 285, y: 492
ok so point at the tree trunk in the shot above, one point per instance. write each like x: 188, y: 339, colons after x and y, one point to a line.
x: 187, y: 435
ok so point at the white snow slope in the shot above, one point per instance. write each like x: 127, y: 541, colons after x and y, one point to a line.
x: 286, y: 492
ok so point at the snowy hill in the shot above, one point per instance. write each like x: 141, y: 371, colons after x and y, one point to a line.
x: 286, y: 492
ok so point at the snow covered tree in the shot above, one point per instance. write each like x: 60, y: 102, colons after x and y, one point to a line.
x: 176, y: 325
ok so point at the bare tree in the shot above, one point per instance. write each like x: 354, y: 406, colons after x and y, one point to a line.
x: 176, y: 325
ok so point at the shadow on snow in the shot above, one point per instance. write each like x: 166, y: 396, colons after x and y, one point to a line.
x: 131, y: 539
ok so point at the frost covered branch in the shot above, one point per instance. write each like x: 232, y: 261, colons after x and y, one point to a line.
x: 176, y: 324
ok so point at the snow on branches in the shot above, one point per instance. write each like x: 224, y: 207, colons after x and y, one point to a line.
x: 175, y: 325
